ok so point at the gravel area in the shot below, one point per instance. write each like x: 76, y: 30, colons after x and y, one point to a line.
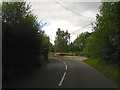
x: 79, y: 58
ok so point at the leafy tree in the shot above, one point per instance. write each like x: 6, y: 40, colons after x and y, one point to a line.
x: 19, y: 30
x: 22, y: 40
x: 45, y: 46
x: 80, y: 41
x: 51, y: 47
x: 71, y: 47
x: 61, y: 41
x: 104, y: 41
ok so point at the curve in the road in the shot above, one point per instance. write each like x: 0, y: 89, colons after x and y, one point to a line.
x: 68, y: 73
x: 62, y: 79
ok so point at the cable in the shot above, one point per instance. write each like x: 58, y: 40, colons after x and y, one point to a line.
x: 73, y: 11
x: 81, y: 28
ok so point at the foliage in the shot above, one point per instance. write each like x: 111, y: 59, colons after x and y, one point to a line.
x: 71, y: 47
x: 80, y: 41
x: 107, y: 69
x: 104, y: 41
x: 45, y: 46
x: 22, y: 40
x: 51, y: 47
x: 61, y: 41
x: 78, y: 45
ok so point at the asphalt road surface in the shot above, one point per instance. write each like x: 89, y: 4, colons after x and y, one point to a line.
x: 65, y: 73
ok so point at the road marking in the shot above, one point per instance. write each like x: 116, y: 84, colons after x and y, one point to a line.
x: 62, y: 79
x: 65, y: 66
x: 63, y: 62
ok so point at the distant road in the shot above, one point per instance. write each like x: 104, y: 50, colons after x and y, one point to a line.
x: 66, y: 73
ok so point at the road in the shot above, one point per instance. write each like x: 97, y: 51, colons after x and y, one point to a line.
x: 65, y: 73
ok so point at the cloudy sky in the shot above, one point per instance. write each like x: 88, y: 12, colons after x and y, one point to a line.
x: 69, y: 16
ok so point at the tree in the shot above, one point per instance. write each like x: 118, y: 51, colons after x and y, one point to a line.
x: 51, y: 47
x: 80, y: 41
x: 104, y: 41
x: 45, y: 46
x: 19, y: 30
x: 22, y: 40
x: 61, y: 41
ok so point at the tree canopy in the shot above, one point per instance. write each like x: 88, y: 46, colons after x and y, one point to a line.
x: 61, y: 40
x: 24, y: 44
x: 80, y: 41
x: 104, y: 41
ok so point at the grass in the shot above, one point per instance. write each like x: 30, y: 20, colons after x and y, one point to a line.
x: 108, y: 70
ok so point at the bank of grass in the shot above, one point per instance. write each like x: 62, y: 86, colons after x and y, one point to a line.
x: 111, y: 71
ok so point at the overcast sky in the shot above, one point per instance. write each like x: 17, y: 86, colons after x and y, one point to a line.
x: 58, y: 17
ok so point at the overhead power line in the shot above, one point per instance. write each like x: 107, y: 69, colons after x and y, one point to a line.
x: 73, y: 11
x: 81, y: 28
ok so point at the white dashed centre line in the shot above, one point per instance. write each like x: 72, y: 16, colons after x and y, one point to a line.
x: 66, y: 67
x: 62, y: 79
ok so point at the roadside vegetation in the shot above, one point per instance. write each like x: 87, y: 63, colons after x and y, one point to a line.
x: 102, y: 45
x: 24, y: 45
x: 104, y: 42
x: 107, y: 69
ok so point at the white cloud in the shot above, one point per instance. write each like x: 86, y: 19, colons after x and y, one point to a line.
x: 65, y: 0
x: 62, y: 24
x: 59, y: 17
x: 90, y: 14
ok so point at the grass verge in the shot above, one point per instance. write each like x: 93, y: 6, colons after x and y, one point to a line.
x: 111, y: 71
